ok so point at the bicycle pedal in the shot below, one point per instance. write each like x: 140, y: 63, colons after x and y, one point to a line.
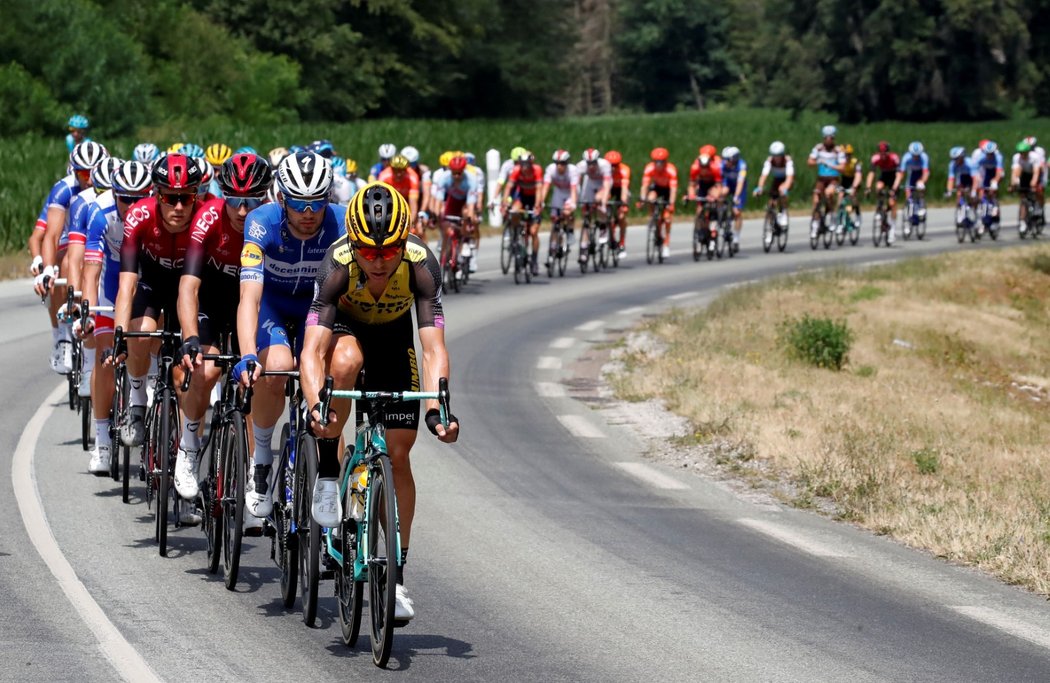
x: 401, y: 623
x: 269, y: 530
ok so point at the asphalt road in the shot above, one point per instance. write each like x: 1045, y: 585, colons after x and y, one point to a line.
x: 545, y: 548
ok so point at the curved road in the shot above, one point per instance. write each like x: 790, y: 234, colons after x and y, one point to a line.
x: 547, y: 547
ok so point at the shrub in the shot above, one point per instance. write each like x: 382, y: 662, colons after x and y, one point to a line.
x: 821, y: 342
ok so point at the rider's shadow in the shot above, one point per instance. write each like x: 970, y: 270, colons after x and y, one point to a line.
x: 407, y: 646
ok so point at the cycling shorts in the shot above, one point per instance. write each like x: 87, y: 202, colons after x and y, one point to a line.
x: 217, y: 313
x: 528, y: 201
x: 663, y: 193
x: 109, y: 283
x: 558, y: 199
x: 703, y: 188
x: 823, y: 183
x: 277, y: 319
x: 739, y: 202
x: 965, y: 182
x: 153, y: 298
x: 389, y: 362
x: 986, y: 180
x: 887, y: 178
x: 617, y: 193
x: 913, y: 178
x: 454, y: 207
x: 1024, y: 180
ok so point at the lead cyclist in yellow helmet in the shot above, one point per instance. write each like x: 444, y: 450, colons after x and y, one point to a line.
x: 361, y: 318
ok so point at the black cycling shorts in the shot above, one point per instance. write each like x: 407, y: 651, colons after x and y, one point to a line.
x: 390, y: 363
x: 663, y: 193
x: 217, y: 310
x: 151, y: 298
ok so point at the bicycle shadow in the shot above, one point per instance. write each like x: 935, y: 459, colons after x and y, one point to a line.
x: 407, y: 647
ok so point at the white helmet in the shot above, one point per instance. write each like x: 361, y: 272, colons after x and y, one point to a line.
x: 87, y: 155
x: 730, y: 153
x: 829, y: 131
x: 777, y: 149
x: 560, y: 156
x: 591, y: 155
x: 410, y: 153
x: 206, y: 172
x: 132, y: 178
x: 146, y: 152
x: 305, y: 175
x: 915, y: 148
x: 102, y: 175
x: 387, y: 151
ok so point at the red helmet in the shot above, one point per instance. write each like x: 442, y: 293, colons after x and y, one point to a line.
x: 884, y: 147
x: 708, y: 151
x: 613, y: 157
x: 176, y: 172
x: 561, y: 156
x: 659, y: 154
x: 591, y: 155
x: 245, y: 175
x: 457, y: 163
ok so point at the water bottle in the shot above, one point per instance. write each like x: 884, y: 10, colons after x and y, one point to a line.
x: 358, y: 482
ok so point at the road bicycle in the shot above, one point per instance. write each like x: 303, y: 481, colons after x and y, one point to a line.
x: 520, y: 221
x: 706, y: 233
x: 772, y: 230
x: 455, y: 256
x: 162, y: 433
x: 1029, y: 215
x: 366, y: 548
x: 823, y: 232
x: 558, y: 247
x: 915, y: 214
x: 654, y: 235
x: 613, y: 209
x: 880, y: 224
x: 506, y: 254
x: 988, y: 210
x: 596, y: 234
x: 849, y: 220
x: 965, y: 218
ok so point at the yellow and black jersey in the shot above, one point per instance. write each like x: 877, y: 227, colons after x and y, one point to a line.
x: 342, y: 289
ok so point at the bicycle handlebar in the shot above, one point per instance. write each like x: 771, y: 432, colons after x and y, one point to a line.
x: 442, y: 395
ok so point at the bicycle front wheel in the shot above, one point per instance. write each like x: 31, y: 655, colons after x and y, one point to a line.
x: 349, y: 591
x: 651, y: 237
x: 212, y: 491
x: 382, y: 557
x: 85, y: 422
x: 287, y: 542
x: 309, y: 531
x: 505, y: 249
x: 234, y: 466
x: 168, y: 415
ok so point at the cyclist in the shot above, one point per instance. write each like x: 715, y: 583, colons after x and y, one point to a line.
x: 564, y: 178
x: 146, y: 153
x: 156, y: 235
x: 284, y: 246
x: 828, y: 160
x: 1026, y: 170
x: 342, y: 189
x: 915, y: 166
x: 83, y: 159
x: 425, y: 182
x: 387, y: 152
x: 705, y: 179
x: 621, y: 192
x: 852, y: 172
x: 595, y: 179
x: 403, y: 179
x: 885, y: 163
x: 356, y: 183
x: 78, y: 125
x: 100, y: 281
x: 734, y: 178
x: 455, y: 194
x: 208, y: 295
x: 216, y: 155
x: 508, y: 165
x: 276, y: 156
x: 660, y: 181
x: 522, y: 193
x: 361, y: 319
x: 781, y: 168
x: 990, y: 174
x: 1039, y: 153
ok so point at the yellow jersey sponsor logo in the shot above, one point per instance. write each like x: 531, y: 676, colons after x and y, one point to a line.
x: 251, y: 255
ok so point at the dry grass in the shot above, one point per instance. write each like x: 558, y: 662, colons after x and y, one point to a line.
x: 935, y: 432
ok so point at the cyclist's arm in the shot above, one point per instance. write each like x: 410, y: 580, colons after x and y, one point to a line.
x: 75, y: 262
x: 248, y: 315
x: 129, y: 281
x: 333, y: 279
x: 56, y: 220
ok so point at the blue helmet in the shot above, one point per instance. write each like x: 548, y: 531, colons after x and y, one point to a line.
x: 470, y: 157
x: 957, y: 152
x: 191, y: 150
x: 246, y: 150
x: 339, y: 165
x: 323, y: 147
x: 295, y: 149
x: 78, y: 121
x: 915, y: 148
x: 146, y: 152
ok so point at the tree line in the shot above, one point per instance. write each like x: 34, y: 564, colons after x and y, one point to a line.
x: 129, y: 63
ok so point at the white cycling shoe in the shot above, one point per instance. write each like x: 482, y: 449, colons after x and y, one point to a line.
x: 186, y: 473
x: 665, y: 251
x: 327, y: 510
x: 403, y: 608
x: 258, y: 497
x: 84, y: 390
x: 100, y: 460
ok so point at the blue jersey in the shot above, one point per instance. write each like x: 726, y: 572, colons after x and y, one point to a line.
x: 105, y: 234
x: 731, y: 173
x: 964, y: 168
x: 71, y: 143
x: 61, y: 197
x: 285, y: 265
x: 989, y: 164
x: 79, y: 209
x: 912, y: 163
x: 445, y: 186
x: 376, y: 170
x: 213, y: 188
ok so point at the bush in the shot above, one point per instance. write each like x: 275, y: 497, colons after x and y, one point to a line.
x: 819, y: 341
x: 24, y: 101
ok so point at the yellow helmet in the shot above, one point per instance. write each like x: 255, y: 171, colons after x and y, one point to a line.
x: 217, y: 154
x: 848, y: 149
x: 175, y: 147
x: 277, y: 155
x: 351, y: 167
x: 377, y: 216
x: 516, y: 152
x: 445, y: 158
x: 399, y: 162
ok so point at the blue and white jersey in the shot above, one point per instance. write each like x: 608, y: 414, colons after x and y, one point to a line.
x: 71, y: 143
x: 79, y: 209
x: 987, y: 163
x: 731, y: 174
x: 963, y: 168
x: 827, y: 159
x: 105, y: 234
x: 913, y: 163
x: 61, y: 197
x: 285, y: 265
x: 376, y: 169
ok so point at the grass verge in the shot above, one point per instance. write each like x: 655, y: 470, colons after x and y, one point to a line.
x: 934, y: 432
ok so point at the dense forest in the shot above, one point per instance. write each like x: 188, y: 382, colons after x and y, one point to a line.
x: 128, y: 63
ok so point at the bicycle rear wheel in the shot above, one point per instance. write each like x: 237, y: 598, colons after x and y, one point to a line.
x: 308, y: 530
x: 505, y: 249
x: 85, y: 422
x: 768, y: 232
x: 380, y: 530
x: 651, y: 236
x: 563, y: 251
x: 698, y: 242
x: 856, y: 224
x: 168, y: 414
x: 234, y: 467
x: 844, y: 225
x: 349, y: 591
x: 876, y: 227
x: 287, y: 542
x: 212, y: 491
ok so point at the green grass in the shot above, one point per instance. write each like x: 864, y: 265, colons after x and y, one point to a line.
x: 29, y: 165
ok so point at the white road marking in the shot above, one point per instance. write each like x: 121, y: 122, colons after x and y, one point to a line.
x: 563, y: 342
x: 651, y: 475
x: 590, y: 325
x: 548, y: 363
x: 1005, y: 622
x: 127, y: 662
x: 791, y: 537
x: 633, y: 310
x: 579, y: 427
x: 550, y: 389
x: 683, y: 295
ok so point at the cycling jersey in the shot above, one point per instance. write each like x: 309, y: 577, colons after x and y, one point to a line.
x: 779, y: 169
x: 621, y: 173
x: 886, y: 166
x: 1026, y: 163
x: 706, y: 175
x: 852, y: 167
x: 653, y: 176
x: 504, y: 171
x: 105, y: 234
x: 914, y: 162
x: 342, y: 190
x: 445, y: 186
x: 964, y: 170
x: 214, y: 256
x: 527, y: 183
x: 406, y: 183
x: 41, y: 219
x: 156, y: 256
x: 76, y: 227
x: 562, y: 183
x: 593, y: 178
x: 733, y: 173
x: 827, y: 159
x: 988, y: 165
x: 377, y: 168
x: 479, y: 176
x: 61, y: 197
x: 71, y: 143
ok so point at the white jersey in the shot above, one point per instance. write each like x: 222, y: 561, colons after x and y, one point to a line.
x: 779, y: 171
x: 437, y: 176
x: 342, y: 190
x: 479, y: 175
x: 504, y: 171
x: 563, y: 184
x: 593, y: 178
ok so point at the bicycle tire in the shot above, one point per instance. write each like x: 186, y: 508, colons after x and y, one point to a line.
x: 876, y: 227
x: 828, y: 237
x: 517, y: 263
x: 309, y: 531
x: 840, y: 235
x: 506, y: 245
x: 164, y: 451
x: 856, y: 225
x: 698, y: 244
x: 235, y: 464
x: 85, y: 423
x: 552, y: 251
x: 920, y: 229
x: 212, y: 491
x: 349, y: 591
x: 651, y: 235
x: 563, y: 261
x: 714, y: 244
x: 382, y: 558
x: 287, y: 542
x: 782, y: 239
x: 768, y: 232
